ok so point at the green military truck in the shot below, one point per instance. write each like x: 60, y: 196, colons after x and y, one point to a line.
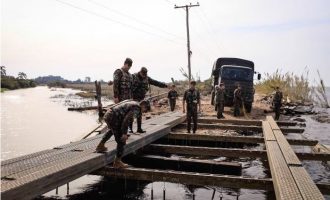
x: 231, y: 72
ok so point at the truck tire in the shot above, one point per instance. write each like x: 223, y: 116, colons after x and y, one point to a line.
x: 248, y: 107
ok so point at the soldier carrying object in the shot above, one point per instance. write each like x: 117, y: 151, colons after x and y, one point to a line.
x: 172, y: 96
x: 237, y: 100
x: 192, y: 98
x: 140, y: 87
x: 122, y: 82
x: 117, y: 119
x: 220, y: 100
x: 277, y: 102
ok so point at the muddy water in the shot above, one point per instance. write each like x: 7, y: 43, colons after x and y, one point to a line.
x: 37, y: 118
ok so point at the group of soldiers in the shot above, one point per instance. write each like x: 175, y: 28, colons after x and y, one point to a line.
x: 129, y: 94
x: 220, y: 96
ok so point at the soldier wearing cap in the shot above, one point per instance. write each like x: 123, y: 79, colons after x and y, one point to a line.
x: 237, y: 100
x: 118, y: 119
x: 220, y: 100
x: 140, y: 87
x: 277, y: 101
x: 192, y: 98
x: 122, y: 82
x: 172, y: 95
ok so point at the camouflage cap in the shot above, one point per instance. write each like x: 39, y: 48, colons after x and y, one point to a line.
x: 193, y: 82
x: 128, y: 61
x: 144, y: 70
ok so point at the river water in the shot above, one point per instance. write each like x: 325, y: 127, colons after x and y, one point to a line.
x: 37, y: 119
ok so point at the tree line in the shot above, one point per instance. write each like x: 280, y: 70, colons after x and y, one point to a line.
x: 10, y: 82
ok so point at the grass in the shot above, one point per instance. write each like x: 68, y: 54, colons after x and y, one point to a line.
x: 295, y: 88
x: 4, y: 89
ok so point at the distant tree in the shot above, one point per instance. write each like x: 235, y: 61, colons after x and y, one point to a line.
x: 21, y: 75
x: 87, y: 79
x: 3, y: 71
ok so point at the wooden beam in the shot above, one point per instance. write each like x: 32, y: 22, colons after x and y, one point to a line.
x: 184, y: 164
x: 226, y: 152
x: 234, y: 139
x: 242, y: 122
x: 189, y: 178
x: 241, y: 128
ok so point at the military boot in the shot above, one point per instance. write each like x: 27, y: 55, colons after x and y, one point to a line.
x: 119, y: 164
x: 101, y: 148
x: 140, y: 130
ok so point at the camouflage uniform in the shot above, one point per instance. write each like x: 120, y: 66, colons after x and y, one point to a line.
x: 117, y: 119
x: 277, y: 101
x: 140, y: 87
x: 219, y: 101
x: 237, y: 101
x: 172, y: 95
x: 122, y: 85
x: 192, y: 98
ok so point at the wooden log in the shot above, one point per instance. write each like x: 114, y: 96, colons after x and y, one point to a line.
x: 189, y: 178
x: 217, y: 152
x: 184, y: 164
x: 234, y: 139
x: 243, y: 122
x: 242, y: 128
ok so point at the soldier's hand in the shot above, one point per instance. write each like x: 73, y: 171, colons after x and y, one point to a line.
x: 116, y: 100
x: 124, y: 138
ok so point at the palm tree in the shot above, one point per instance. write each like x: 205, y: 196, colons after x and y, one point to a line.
x: 3, y: 70
x: 21, y: 75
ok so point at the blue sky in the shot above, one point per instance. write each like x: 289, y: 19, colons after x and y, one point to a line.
x: 93, y: 37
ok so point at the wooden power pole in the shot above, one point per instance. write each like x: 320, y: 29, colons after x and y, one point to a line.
x: 188, y: 37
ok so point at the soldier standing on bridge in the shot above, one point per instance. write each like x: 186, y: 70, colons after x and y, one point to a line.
x: 118, y: 119
x: 122, y: 82
x: 237, y: 100
x: 192, y: 98
x: 220, y: 100
x: 277, y: 102
x: 172, y: 96
x: 140, y: 87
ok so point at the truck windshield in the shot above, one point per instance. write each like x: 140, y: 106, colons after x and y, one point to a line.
x: 237, y: 73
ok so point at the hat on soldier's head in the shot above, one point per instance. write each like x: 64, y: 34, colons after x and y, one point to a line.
x: 277, y: 88
x: 128, y: 61
x: 193, y: 82
x: 144, y: 70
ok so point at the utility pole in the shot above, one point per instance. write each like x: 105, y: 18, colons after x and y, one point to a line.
x: 188, y: 37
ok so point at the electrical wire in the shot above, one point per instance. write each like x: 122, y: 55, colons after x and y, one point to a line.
x: 116, y: 21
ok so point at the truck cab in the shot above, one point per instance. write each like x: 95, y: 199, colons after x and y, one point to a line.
x: 231, y: 72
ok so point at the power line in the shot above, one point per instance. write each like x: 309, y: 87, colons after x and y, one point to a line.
x: 118, y: 22
x: 133, y: 18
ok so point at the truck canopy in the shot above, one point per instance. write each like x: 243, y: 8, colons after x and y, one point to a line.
x: 230, y: 61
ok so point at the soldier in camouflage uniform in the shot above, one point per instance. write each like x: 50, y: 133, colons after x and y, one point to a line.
x: 122, y: 82
x: 140, y: 87
x: 220, y: 100
x: 117, y: 119
x: 192, y: 98
x: 277, y: 102
x: 237, y: 100
x: 172, y: 96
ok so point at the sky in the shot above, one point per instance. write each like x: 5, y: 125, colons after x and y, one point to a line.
x: 79, y: 38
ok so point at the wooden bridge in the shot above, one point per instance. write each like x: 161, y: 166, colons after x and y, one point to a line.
x: 32, y: 175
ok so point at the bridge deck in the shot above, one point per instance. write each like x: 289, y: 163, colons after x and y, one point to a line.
x: 31, y: 175
x: 290, y: 179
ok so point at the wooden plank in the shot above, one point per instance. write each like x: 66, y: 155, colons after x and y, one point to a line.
x: 241, y: 128
x: 226, y: 152
x: 267, y: 132
x: 234, y: 139
x: 287, y: 151
x: 283, y: 181
x: 306, y: 185
x: 272, y: 123
x: 189, y: 178
x: 242, y: 122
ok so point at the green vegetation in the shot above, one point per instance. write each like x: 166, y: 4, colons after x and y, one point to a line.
x: 57, y: 84
x: 11, y: 83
